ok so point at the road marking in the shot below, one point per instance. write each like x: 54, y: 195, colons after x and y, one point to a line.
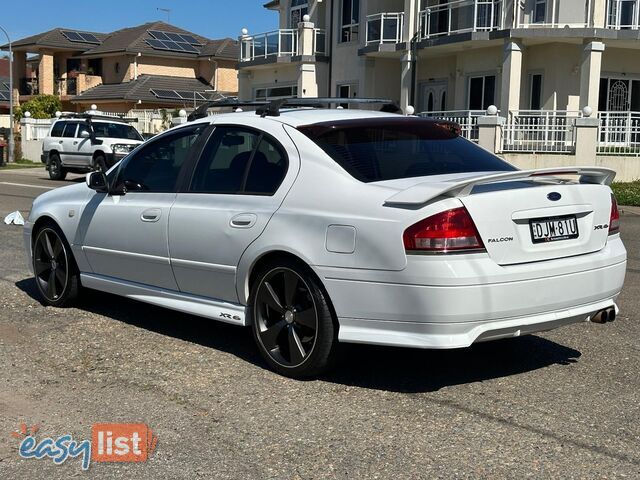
x: 27, y: 185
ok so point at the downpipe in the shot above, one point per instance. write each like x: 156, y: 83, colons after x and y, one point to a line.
x: 604, y: 316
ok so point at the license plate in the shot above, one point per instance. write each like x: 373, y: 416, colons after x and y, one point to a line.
x: 553, y: 229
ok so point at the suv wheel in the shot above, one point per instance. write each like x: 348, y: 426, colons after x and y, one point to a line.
x: 100, y: 163
x: 55, y: 270
x: 56, y: 170
x: 293, y: 323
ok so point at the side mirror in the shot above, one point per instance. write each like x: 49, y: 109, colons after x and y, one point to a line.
x: 97, y: 181
x: 85, y: 134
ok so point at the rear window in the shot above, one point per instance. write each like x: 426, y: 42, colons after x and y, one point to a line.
x: 374, y: 150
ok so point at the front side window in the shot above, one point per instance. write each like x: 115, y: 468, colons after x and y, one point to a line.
x: 349, y: 20
x: 239, y: 161
x: 115, y: 130
x: 299, y: 8
x: 388, y: 149
x: 155, y: 167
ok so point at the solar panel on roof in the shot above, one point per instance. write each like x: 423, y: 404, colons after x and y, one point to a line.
x: 186, y: 95
x: 156, y: 44
x: 187, y: 47
x: 89, y: 37
x: 172, y: 45
x: 173, y: 36
x: 189, y: 39
x: 171, y: 94
x: 159, y: 35
x: 80, y: 37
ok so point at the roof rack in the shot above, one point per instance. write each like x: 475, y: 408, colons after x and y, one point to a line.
x: 95, y: 116
x: 271, y: 108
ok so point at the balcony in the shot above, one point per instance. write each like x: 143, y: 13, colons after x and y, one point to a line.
x: 28, y: 86
x: 384, y: 28
x: 623, y: 14
x: 66, y: 86
x: 279, y: 43
x: 461, y: 16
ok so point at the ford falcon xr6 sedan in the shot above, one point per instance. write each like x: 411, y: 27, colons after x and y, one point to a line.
x: 319, y: 226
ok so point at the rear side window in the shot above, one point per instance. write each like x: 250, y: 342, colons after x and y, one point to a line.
x: 238, y: 160
x: 57, y: 129
x: 375, y: 150
x: 70, y: 130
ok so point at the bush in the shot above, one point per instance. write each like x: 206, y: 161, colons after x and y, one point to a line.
x: 40, y: 106
x: 627, y: 193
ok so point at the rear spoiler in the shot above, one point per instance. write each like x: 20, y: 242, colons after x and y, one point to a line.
x: 424, y: 192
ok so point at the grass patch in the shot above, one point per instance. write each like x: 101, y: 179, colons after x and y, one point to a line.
x: 21, y: 164
x: 627, y: 193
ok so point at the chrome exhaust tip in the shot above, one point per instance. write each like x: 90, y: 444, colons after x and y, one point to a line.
x: 601, y: 317
x: 611, y: 314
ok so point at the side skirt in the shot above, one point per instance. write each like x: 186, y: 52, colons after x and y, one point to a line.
x: 182, y: 302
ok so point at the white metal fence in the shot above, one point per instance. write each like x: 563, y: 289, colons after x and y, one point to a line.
x: 35, y: 128
x: 460, y: 16
x: 538, y: 131
x: 467, y: 119
x: 619, y: 133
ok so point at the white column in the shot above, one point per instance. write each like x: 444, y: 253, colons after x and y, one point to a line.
x: 407, y: 64
x: 590, y: 75
x: 511, y: 78
x: 406, y: 78
x: 244, y: 85
x: 599, y: 13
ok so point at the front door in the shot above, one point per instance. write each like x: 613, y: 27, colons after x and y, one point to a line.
x: 126, y: 235
x: 433, y: 96
x: 238, y: 184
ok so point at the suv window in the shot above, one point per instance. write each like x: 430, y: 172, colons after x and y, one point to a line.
x: 70, y: 130
x: 239, y: 160
x: 155, y: 167
x: 380, y: 149
x: 57, y: 129
x: 115, y: 130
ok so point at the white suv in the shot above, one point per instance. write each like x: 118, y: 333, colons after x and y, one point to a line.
x: 83, y: 142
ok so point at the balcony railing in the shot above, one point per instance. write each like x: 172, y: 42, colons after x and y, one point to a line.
x: 623, y: 14
x: 66, y: 86
x: 279, y: 43
x: 461, y: 16
x: 537, y: 131
x: 384, y: 28
x: 467, y: 119
x: 619, y: 133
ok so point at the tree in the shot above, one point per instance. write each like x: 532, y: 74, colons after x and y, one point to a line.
x: 40, y: 106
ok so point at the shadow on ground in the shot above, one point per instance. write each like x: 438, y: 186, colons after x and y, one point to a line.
x: 366, y: 366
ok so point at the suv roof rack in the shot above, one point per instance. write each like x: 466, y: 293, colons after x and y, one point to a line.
x: 272, y: 108
x: 94, y: 116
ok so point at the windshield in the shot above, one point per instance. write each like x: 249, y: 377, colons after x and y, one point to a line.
x: 115, y: 130
x: 373, y: 150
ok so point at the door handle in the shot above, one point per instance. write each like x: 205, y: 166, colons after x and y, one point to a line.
x: 60, y: 142
x: 75, y: 143
x: 244, y: 220
x: 151, y: 215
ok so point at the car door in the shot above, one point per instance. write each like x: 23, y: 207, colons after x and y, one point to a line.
x: 238, y: 183
x: 66, y: 145
x: 125, y: 235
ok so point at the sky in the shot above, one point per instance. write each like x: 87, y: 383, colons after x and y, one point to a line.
x: 209, y: 18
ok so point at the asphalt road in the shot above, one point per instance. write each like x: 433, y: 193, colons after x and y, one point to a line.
x: 564, y: 404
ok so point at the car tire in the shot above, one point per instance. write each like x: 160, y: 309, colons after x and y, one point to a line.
x: 55, y: 270
x: 100, y: 163
x: 56, y: 170
x: 293, y: 323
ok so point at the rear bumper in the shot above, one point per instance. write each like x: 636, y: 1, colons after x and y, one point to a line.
x: 473, y: 304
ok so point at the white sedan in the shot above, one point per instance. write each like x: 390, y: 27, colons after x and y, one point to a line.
x: 316, y: 227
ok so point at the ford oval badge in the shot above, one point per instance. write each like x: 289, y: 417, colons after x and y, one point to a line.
x: 554, y: 196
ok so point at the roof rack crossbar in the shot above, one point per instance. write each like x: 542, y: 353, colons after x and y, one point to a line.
x: 95, y: 116
x: 271, y: 108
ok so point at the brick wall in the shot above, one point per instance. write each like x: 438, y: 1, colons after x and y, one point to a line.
x: 167, y: 66
x: 227, y: 76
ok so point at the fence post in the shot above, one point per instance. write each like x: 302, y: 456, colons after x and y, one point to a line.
x: 586, y: 138
x: 490, y: 130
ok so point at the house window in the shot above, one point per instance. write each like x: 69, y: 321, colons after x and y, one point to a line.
x: 482, y: 92
x: 349, y: 20
x: 274, y: 93
x: 619, y: 95
x: 346, y: 91
x: 94, y: 66
x: 299, y: 8
x: 539, y: 11
x: 535, y: 91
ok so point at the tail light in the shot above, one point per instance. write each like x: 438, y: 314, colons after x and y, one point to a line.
x: 614, y: 220
x: 445, y: 232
